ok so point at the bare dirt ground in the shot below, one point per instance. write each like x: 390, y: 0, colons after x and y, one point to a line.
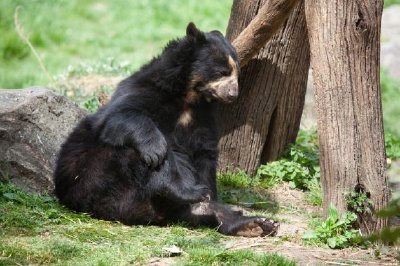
x: 288, y: 243
x: 295, y: 213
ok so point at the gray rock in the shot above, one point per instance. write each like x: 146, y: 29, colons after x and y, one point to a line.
x: 33, y: 124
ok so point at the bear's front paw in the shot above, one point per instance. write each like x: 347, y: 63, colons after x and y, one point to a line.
x: 153, y: 152
x: 196, y: 194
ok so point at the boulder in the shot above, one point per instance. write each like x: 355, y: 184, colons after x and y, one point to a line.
x: 33, y: 124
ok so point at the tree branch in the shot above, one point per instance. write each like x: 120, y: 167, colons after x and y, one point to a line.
x: 268, y: 20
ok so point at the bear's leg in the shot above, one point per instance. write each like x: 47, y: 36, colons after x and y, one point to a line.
x: 227, y: 221
x: 174, y: 180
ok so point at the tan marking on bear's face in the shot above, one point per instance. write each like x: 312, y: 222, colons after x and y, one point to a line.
x: 194, y: 79
x: 234, y: 66
x: 226, y: 88
x: 185, y: 118
x: 191, y: 97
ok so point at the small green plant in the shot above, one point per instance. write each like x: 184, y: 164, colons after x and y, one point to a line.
x: 91, y: 104
x: 299, y: 165
x: 358, y: 202
x: 335, y: 231
x: 284, y: 170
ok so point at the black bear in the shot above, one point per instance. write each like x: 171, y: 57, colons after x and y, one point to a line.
x: 149, y: 155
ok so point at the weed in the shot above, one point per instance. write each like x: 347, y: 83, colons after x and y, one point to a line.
x: 334, y: 231
x: 299, y: 165
x: 91, y: 104
x: 299, y: 168
x: 284, y: 170
x: 358, y: 202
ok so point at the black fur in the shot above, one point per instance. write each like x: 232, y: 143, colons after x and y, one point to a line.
x: 133, y: 161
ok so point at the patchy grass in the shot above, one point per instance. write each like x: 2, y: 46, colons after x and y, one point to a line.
x: 35, y: 229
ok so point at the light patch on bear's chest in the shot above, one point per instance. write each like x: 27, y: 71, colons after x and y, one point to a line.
x: 185, y: 118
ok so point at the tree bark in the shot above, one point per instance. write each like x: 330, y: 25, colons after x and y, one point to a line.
x: 344, y: 39
x: 262, y: 27
x: 273, y: 85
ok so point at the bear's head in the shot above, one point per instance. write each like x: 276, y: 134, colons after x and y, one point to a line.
x: 215, y: 69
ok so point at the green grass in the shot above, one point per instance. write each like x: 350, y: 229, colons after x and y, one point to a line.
x: 391, y: 2
x: 35, y: 229
x: 69, y: 32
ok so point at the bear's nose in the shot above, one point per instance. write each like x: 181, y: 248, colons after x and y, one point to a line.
x: 233, y: 92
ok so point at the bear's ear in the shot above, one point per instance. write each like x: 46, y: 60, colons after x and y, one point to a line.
x: 194, y: 32
x: 217, y: 32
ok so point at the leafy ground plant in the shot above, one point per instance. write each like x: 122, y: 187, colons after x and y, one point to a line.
x: 35, y: 229
x: 335, y: 231
x: 358, y: 202
x: 299, y: 166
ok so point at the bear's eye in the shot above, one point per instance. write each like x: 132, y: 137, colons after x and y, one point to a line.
x: 224, y: 73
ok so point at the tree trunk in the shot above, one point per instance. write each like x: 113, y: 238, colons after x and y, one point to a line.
x: 266, y: 116
x: 344, y: 39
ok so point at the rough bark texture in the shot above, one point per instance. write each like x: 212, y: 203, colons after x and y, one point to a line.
x: 263, y: 26
x: 344, y: 39
x: 33, y: 124
x: 273, y: 84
